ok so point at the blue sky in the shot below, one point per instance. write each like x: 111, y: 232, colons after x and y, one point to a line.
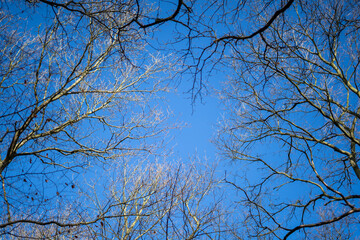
x: 199, y: 124
x: 199, y: 119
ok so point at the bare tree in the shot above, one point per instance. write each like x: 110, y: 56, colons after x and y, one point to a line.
x: 164, y: 201
x: 294, y: 103
x: 141, y: 200
x: 210, y: 27
x: 194, y: 22
x: 69, y: 100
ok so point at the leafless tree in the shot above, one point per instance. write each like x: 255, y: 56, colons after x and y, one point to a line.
x: 142, y: 200
x: 294, y: 103
x: 69, y: 100
x: 165, y: 201
x: 201, y: 29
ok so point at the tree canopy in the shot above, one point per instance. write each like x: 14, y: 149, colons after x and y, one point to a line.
x: 84, y: 124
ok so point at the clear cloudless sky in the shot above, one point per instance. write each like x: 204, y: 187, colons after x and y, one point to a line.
x: 198, y: 123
